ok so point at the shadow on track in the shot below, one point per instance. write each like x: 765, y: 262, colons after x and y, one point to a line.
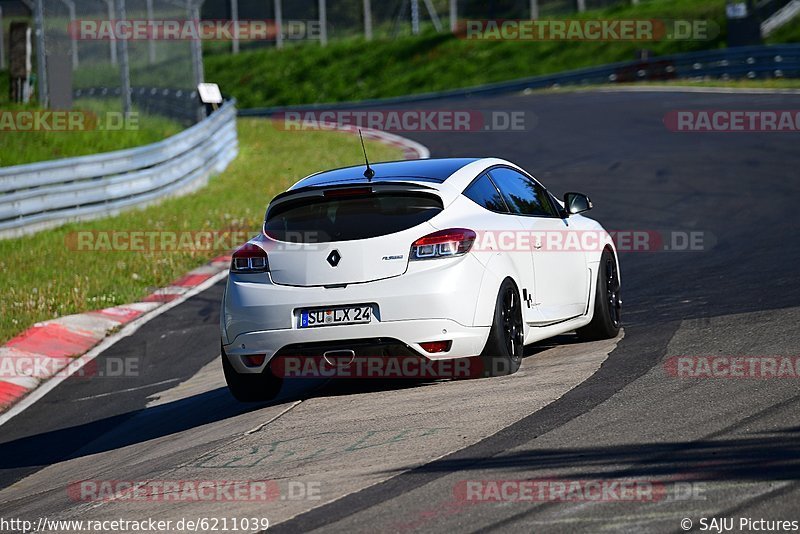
x: 342, y: 387
x: 759, y: 458
x: 142, y: 425
x: 121, y: 430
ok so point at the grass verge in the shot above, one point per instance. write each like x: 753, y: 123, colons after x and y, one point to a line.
x: 104, y: 129
x: 789, y: 33
x: 45, y: 278
x: 355, y: 69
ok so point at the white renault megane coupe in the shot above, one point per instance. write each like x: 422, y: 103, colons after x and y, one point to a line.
x: 440, y: 259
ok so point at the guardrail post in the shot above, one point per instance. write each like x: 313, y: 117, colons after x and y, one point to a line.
x: 151, y: 44
x: 73, y: 28
x: 124, y: 66
x: 235, y: 20
x: 278, y: 24
x: 193, y: 11
x: 2, y: 43
x: 112, y: 42
x: 367, y: 20
x: 415, y: 17
x: 323, y: 23
x: 41, y: 60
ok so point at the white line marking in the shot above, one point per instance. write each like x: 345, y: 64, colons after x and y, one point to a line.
x: 108, y: 342
x: 137, y: 388
x: 265, y: 423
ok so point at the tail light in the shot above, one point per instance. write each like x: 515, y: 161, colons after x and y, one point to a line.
x: 249, y: 258
x: 254, y: 360
x: 436, y: 346
x: 347, y: 192
x: 443, y: 244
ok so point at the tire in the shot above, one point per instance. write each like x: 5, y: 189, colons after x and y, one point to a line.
x: 502, y: 354
x: 607, y: 317
x: 264, y: 386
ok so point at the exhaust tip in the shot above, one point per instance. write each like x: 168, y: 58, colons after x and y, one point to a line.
x: 337, y: 358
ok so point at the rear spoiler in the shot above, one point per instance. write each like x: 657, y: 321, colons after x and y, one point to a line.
x: 359, y: 188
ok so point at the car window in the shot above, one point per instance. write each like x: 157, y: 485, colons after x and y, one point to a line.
x: 523, y: 195
x: 323, y: 220
x: 483, y: 192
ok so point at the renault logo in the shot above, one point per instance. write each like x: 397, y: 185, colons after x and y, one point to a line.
x: 334, y: 258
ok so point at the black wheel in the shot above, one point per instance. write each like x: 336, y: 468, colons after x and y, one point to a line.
x: 502, y: 354
x: 607, y: 317
x: 251, y: 387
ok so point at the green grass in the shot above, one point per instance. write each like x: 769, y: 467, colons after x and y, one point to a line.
x: 354, y: 69
x: 17, y: 148
x: 790, y: 33
x: 44, y: 278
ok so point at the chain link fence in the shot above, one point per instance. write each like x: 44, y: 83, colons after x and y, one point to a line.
x: 85, y: 61
x: 87, y: 64
x: 324, y: 20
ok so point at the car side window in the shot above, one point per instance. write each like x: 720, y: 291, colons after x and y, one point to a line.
x: 523, y: 195
x: 483, y: 192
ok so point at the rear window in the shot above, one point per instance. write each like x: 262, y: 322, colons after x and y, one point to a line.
x: 322, y: 220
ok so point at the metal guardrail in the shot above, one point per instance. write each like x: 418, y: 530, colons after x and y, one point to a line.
x: 766, y: 8
x: 178, y: 104
x: 46, y: 194
x: 752, y: 62
x: 776, y: 15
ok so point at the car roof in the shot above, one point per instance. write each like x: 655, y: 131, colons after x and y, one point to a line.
x: 424, y: 170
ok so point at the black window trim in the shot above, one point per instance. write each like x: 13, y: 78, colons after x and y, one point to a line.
x: 488, y: 172
x: 562, y: 212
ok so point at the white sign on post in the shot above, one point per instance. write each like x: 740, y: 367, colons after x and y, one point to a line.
x: 736, y: 10
x: 209, y: 93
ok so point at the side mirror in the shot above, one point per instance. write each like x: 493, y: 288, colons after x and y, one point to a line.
x: 576, y: 203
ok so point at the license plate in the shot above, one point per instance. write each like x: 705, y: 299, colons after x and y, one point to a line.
x: 335, y: 316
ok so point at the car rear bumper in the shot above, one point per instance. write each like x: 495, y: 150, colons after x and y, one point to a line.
x: 432, y: 301
x: 466, y: 341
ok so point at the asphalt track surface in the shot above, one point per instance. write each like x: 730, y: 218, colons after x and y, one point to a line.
x: 392, y: 458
